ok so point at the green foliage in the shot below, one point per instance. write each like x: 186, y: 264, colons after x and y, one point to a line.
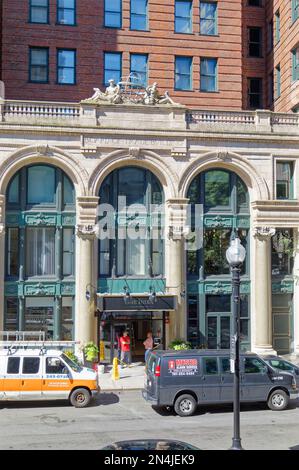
x: 72, y: 356
x: 179, y: 345
x: 91, y: 351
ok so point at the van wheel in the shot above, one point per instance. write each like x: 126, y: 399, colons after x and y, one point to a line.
x: 278, y: 400
x: 185, y: 405
x: 80, y: 397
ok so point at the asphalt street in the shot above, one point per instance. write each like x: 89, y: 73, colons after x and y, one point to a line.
x: 125, y: 415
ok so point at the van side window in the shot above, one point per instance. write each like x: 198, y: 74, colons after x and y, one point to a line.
x: 13, y: 365
x: 225, y: 365
x: 55, y: 366
x: 254, y: 366
x: 31, y: 365
x: 283, y: 365
x: 210, y: 365
x: 152, y: 364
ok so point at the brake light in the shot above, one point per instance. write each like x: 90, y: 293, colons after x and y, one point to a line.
x: 157, y: 371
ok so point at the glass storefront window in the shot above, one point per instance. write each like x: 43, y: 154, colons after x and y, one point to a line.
x: 68, y: 252
x: 39, y: 315
x: 216, y: 242
x: 68, y: 191
x: 218, y: 303
x: 13, y: 252
x: 282, y: 252
x: 193, y: 326
x: 40, y: 251
x: 13, y: 191
x: 137, y: 248
x: 217, y: 188
x: 41, y: 185
x: 131, y: 184
x: 11, y: 315
x: 67, y: 322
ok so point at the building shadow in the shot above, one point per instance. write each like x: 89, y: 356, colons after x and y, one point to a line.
x: 213, y: 409
x: 294, y: 447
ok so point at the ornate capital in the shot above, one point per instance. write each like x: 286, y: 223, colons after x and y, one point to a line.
x: 87, y: 231
x: 264, y: 232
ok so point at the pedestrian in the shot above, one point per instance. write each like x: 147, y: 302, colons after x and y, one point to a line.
x: 125, y: 347
x: 148, y: 344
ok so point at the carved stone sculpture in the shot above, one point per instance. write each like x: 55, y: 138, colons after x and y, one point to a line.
x: 112, y: 94
x: 127, y: 92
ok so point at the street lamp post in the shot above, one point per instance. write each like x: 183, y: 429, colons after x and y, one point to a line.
x: 235, y: 256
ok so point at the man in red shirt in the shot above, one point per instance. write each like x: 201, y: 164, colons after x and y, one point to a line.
x: 125, y: 347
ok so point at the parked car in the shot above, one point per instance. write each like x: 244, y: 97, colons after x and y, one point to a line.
x: 282, y: 364
x: 186, y: 379
x: 150, y: 444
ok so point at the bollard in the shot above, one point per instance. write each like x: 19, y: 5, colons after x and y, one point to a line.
x: 115, y: 371
x: 102, y: 351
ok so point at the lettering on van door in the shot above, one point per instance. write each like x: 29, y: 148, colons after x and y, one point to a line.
x: 183, y: 367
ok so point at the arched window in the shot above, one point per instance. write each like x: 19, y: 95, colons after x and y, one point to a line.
x: 133, y: 246
x: 40, y: 240
x: 219, y: 206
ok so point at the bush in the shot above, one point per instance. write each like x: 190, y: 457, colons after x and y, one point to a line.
x: 179, y: 345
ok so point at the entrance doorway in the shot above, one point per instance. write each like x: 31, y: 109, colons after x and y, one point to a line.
x: 138, y: 324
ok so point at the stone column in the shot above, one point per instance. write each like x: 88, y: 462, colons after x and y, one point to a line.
x: 85, y: 321
x: 2, y: 258
x: 296, y: 293
x: 176, y: 215
x: 262, y: 291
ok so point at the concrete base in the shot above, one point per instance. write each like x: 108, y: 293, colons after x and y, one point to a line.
x: 264, y: 350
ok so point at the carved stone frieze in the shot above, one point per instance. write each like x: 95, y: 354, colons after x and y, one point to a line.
x: 134, y: 152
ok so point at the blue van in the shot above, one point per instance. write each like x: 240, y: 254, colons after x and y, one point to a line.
x: 187, y: 379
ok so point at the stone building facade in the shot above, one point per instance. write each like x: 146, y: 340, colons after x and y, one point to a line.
x: 59, y: 161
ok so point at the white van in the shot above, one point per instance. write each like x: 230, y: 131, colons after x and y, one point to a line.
x: 45, y: 374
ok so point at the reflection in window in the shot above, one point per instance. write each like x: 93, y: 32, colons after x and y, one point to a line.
x: 183, y: 20
x: 66, y: 67
x: 217, y: 188
x: 208, y: 18
x: 41, y: 185
x: 66, y: 12
x: 12, y: 252
x: 113, y: 13
x: 284, y: 184
x: 139, y: 15
x: 216, y: 242
x: 282, y: 252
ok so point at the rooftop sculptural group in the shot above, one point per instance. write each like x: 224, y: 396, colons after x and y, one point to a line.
x: 115, y: 93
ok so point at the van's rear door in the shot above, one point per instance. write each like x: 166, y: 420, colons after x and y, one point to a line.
x: 151, y: 380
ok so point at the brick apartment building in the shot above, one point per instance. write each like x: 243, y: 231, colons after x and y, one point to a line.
x: 213, y: 55
x: 231, y: 146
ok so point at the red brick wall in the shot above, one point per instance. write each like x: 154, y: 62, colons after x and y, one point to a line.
x: 161, y: 43
x: 289, y: 39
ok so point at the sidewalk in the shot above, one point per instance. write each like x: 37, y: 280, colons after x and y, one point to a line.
x: 130, y: 378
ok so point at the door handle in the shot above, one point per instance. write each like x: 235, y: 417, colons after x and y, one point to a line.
x: 23, y: 381
x: 203, y: 377
x: 44, y: 382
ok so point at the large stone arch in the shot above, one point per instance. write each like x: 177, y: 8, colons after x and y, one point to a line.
x: 44, y: 155
x: 144, y: 159
x: 255, y: 183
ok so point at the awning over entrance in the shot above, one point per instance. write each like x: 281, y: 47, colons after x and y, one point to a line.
x: 116, y: 303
